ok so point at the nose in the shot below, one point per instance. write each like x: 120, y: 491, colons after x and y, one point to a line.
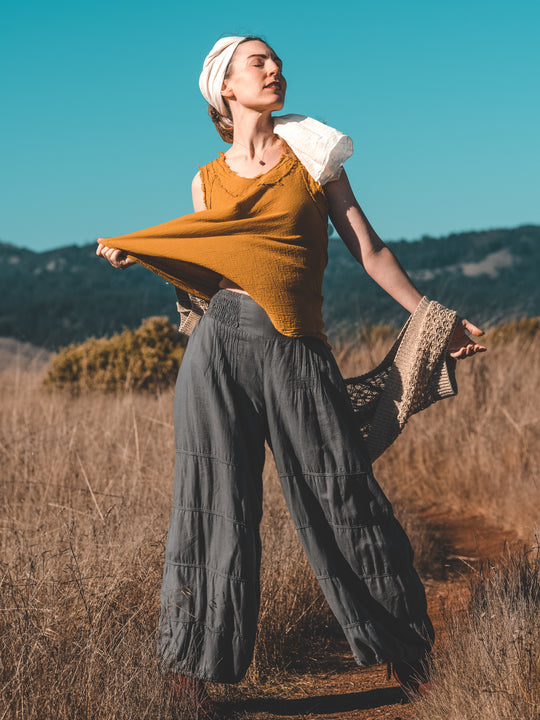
x: 274, y: 69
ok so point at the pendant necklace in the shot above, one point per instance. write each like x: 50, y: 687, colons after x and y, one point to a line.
x: 261, y: 162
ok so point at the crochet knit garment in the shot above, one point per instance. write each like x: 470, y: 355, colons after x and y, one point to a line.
x: 415, y: 373
x: 190, y: 308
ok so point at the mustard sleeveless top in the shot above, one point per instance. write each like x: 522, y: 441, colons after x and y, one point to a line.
x: 268, y: 234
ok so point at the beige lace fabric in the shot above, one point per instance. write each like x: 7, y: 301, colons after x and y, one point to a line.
x: 190, y: 308
x: 416, y: 372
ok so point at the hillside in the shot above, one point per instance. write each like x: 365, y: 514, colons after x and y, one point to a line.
x: 489, y: 277
x: 65, y: 295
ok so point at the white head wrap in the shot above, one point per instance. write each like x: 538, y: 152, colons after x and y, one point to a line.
x: 213, y: 72
x: 320, y: 148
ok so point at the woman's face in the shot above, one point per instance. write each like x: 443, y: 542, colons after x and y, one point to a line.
x: 256, y: 80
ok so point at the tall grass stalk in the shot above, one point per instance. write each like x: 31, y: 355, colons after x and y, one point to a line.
x: 489, y: 666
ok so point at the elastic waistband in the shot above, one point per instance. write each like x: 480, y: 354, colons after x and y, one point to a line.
x: 241, y: 311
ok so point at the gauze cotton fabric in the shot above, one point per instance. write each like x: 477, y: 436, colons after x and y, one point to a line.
x: 321, y: 149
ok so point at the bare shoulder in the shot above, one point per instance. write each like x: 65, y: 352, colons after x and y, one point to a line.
x: 197, y: 193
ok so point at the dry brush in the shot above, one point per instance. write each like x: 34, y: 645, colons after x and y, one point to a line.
x: 86, y: 490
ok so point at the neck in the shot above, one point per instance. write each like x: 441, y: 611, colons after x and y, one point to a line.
x: 253, y: 132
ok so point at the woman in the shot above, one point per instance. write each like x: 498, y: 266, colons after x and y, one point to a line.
x: 259, y: 366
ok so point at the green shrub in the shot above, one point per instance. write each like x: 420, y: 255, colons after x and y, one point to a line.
x: 147, y: 358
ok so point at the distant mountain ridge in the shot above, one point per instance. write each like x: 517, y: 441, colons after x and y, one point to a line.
x: 68, y: 294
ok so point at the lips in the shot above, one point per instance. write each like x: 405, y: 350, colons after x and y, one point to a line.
x: 274, y: 85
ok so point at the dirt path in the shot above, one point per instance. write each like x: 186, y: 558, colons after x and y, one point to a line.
x: 336, y: 688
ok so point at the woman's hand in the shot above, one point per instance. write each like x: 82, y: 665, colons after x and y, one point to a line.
x: 461, y: 345
x: 117, y: 258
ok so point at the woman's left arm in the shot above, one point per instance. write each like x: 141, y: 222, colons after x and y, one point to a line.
x: 379, y: 261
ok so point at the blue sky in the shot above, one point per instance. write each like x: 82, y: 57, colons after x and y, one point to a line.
x: 103, y: 124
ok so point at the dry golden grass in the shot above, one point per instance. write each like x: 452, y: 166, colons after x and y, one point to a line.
x: 489, y: 666
x: 478, y: 452
x: 86, y: 490
x: 86, y: 494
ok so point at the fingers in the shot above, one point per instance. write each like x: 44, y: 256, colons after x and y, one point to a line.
x: 117, y: 258
x: 461, y: 345
x: 102, y: 250
x: 467, y: 351
x: 471, y: 328
x: 111, y: 254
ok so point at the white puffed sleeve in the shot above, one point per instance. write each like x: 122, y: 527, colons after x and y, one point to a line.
x: 320, y: 148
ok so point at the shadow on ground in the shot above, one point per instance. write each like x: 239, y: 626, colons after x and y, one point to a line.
x: 321, y: 704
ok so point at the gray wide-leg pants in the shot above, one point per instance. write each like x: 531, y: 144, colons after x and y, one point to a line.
x: 241, y: 382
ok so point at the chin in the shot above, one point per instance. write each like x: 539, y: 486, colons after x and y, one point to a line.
x: 273, y: 106
x: 278, y: 105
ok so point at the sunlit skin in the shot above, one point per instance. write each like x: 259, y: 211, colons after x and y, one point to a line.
x: 255, y: 89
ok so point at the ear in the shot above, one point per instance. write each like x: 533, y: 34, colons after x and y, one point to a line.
x: 226, y: 91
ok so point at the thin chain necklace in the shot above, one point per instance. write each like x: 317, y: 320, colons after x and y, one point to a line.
x: 261, y: 161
